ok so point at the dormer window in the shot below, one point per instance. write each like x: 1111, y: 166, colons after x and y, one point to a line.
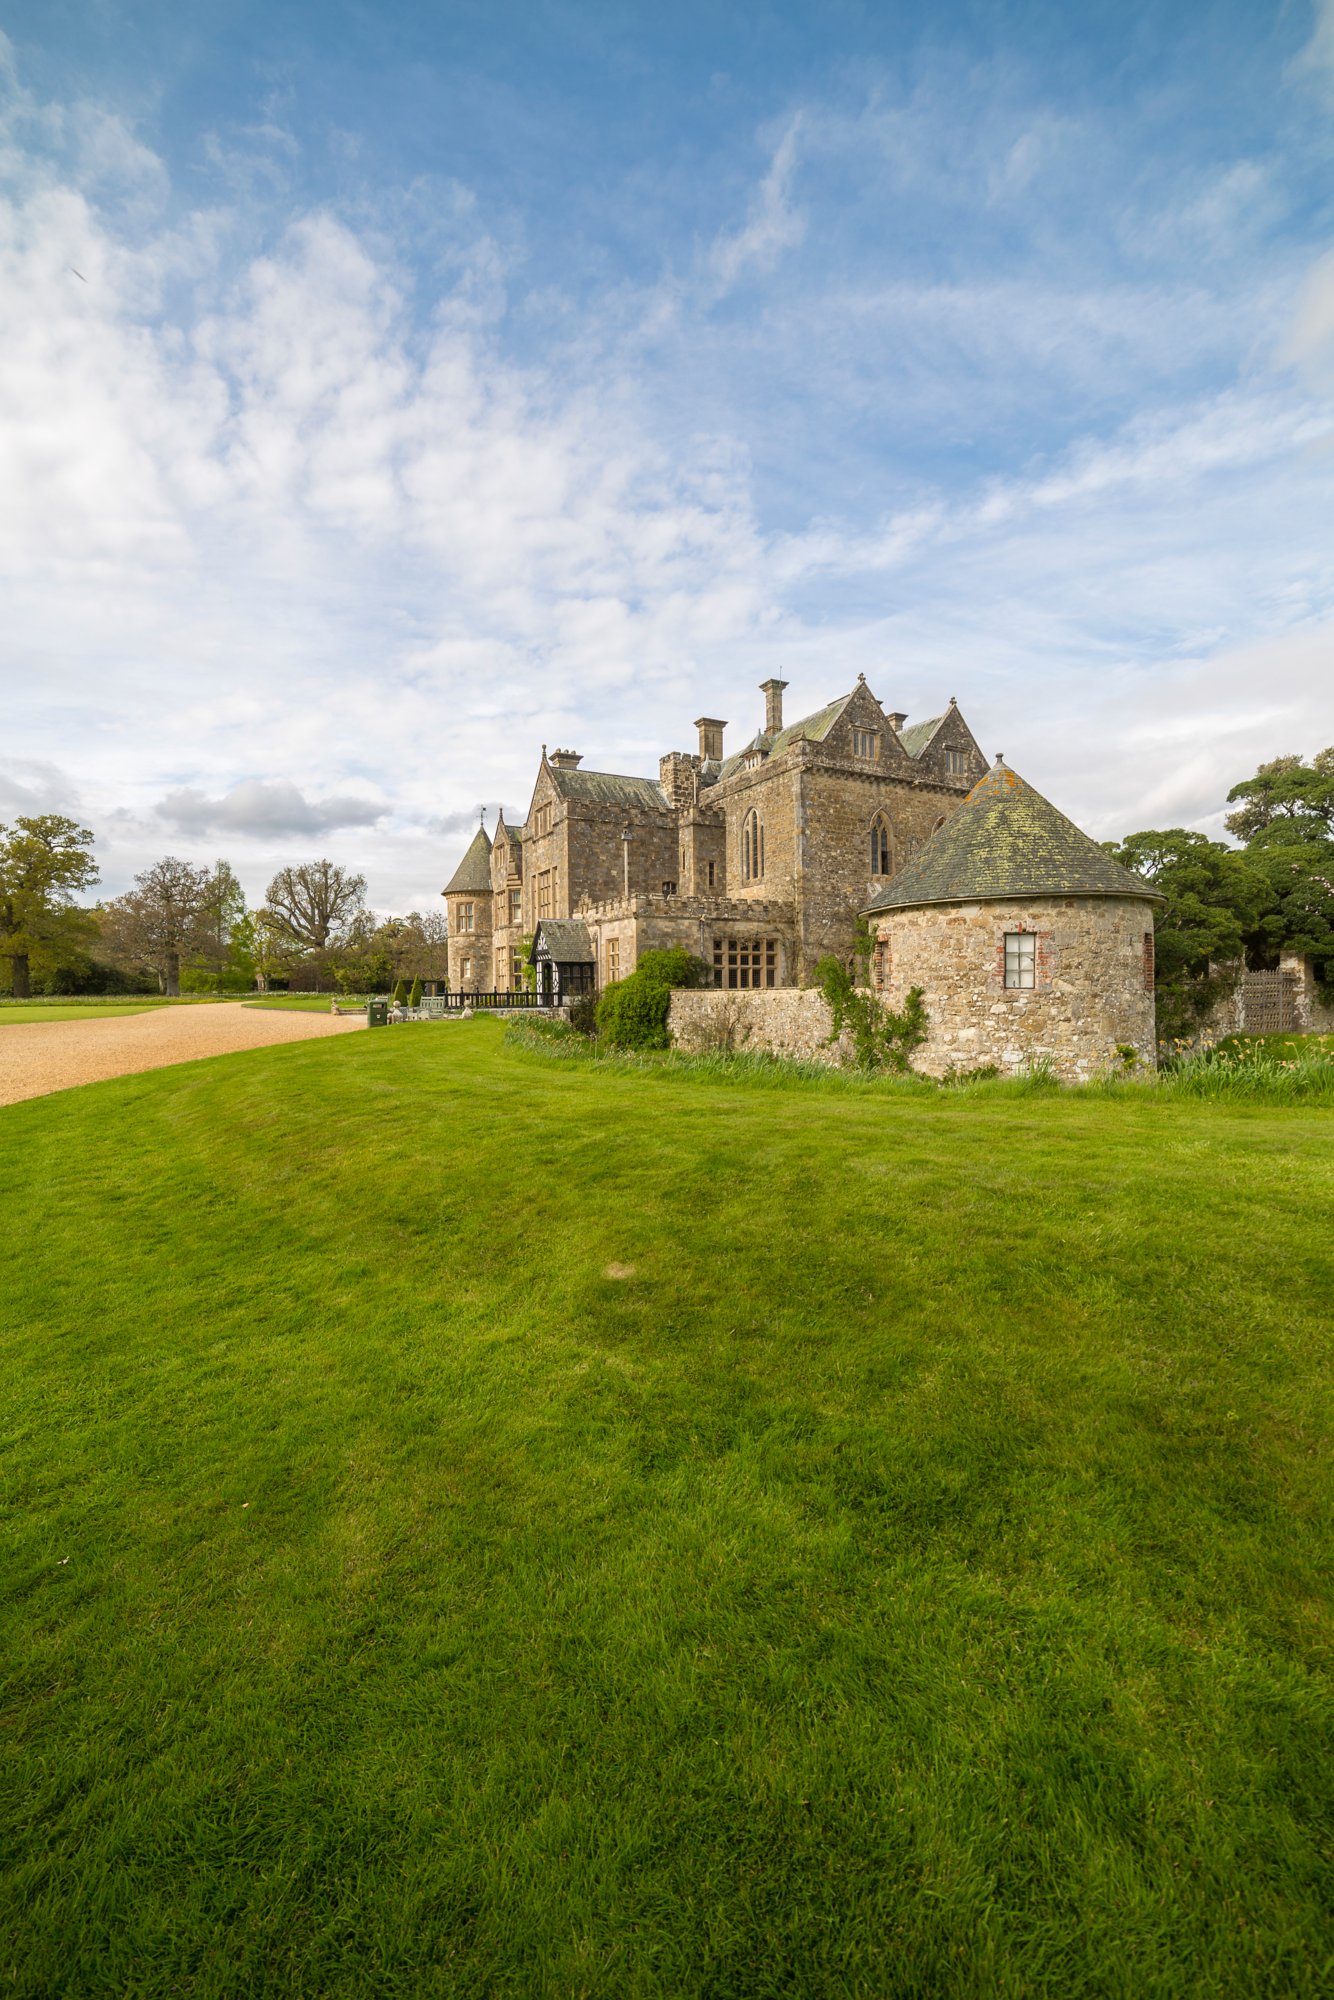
x: 866, y: 743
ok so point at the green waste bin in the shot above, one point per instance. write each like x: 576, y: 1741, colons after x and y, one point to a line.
x: 377, y: 1013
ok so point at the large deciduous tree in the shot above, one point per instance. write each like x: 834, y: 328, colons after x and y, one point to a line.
x: 1214, y: 899
x: 174, y: 912
x: 315, y: 906
x: 43, y: 860
x: 1286, y: 819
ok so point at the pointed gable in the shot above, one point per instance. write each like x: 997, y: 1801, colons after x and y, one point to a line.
x: 1006, y: 840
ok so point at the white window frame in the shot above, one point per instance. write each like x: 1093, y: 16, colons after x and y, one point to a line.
x: 1020, y: 961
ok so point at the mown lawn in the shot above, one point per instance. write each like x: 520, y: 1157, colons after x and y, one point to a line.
x: 910, y: 1577
x: 47, y: 1010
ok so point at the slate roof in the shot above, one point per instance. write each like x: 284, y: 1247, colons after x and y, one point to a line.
x: 1006, y: 840
x: 605, y: 788
x: 916, y: 738
x: 566, y: 939
x: 814, y: 728
x: 474, y: 871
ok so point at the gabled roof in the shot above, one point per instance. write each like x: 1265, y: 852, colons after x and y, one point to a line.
x: 474, y: 871
x: 915, y: 738
x: 605, y: 788
x: 1007, y: 840
x: 813, y: 728
x: 566, y: 939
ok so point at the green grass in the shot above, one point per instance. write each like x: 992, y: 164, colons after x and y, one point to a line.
x: 300, y: 1003
x: 90, y: 1007
x: 1284, y: 1047
x: 47, y: 1010
x: 912, y: 1579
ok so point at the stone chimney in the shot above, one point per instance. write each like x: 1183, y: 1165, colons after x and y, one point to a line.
x: 896, y: 721
x: 565, y: 760
x: 676, y: 775
x: 710, y: 738
x: 773, y: 706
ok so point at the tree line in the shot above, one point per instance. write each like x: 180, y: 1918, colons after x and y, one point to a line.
x: 188, y: 928
x: 184, y: 928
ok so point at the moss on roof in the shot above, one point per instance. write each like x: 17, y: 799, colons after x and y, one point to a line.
x: 566, y: 939
x: 811, y: 728
x: 1007, y: 840
x: 473, y: 874
x: 915, y: 738
x: 606, y: 788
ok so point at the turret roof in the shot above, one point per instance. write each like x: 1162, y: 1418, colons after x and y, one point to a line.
x: 474, y: 871
x: 1004, y: 841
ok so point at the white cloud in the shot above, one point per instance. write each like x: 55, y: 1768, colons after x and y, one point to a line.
x: 772, y: 226
x: 1315, y: 63
x: 1309, y: 346
x: 260, y: 808
x: 264, y: 510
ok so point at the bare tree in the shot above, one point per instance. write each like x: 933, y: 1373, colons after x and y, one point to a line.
x: 315, y: 903
x: 174, y: 911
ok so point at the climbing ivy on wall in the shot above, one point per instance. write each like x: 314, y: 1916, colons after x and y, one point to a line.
x: 881, y: 1039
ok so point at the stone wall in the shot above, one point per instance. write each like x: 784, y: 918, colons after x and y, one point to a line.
x: 787, y: 1021
x: 1093, y: 991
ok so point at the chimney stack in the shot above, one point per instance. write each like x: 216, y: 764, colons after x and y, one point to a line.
x: 710, y: 738
x: 565, y: 760
x: 773, y: 706
x: 896, y: 721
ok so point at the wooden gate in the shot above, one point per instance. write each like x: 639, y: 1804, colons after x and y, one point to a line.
x: 1268, y: 1003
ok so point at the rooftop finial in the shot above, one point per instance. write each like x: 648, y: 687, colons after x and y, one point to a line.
x: 953, y: 701
x: 1000, y: 757
x: 483, y: 815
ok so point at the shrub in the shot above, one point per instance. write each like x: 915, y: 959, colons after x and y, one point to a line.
x: 632, y: 1013
x: 583, y: 1016
x: 400, y: 993
x: 415, y: 996
x: 677, y: 967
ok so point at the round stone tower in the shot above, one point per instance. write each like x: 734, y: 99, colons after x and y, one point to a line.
x: 1028, y: 941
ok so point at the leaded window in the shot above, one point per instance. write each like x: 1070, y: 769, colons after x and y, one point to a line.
x: 745, y: 961
x: 879, y: 848
x: 1020, y: 959
x: 752, y: 848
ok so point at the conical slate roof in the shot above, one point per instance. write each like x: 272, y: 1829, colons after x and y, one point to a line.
x: 474, y: 871
x: 1004, y: 841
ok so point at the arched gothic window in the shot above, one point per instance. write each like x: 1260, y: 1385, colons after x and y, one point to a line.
x: 880, y: 864
x: 752, y: 848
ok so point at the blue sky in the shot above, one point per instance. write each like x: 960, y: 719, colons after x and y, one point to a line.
x: 389, y: 389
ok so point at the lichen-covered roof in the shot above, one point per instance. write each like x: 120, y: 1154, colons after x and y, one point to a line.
x: 605, y: 788
x: 474, y: 871
x: 915, y: 738
x: 1006, y: 840
x: 813, y: 728
x: 566, y: 939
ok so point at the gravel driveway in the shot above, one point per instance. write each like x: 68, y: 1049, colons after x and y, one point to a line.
x: 40, y: 1056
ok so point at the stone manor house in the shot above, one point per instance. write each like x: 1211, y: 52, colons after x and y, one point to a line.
x: 758, y: 861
